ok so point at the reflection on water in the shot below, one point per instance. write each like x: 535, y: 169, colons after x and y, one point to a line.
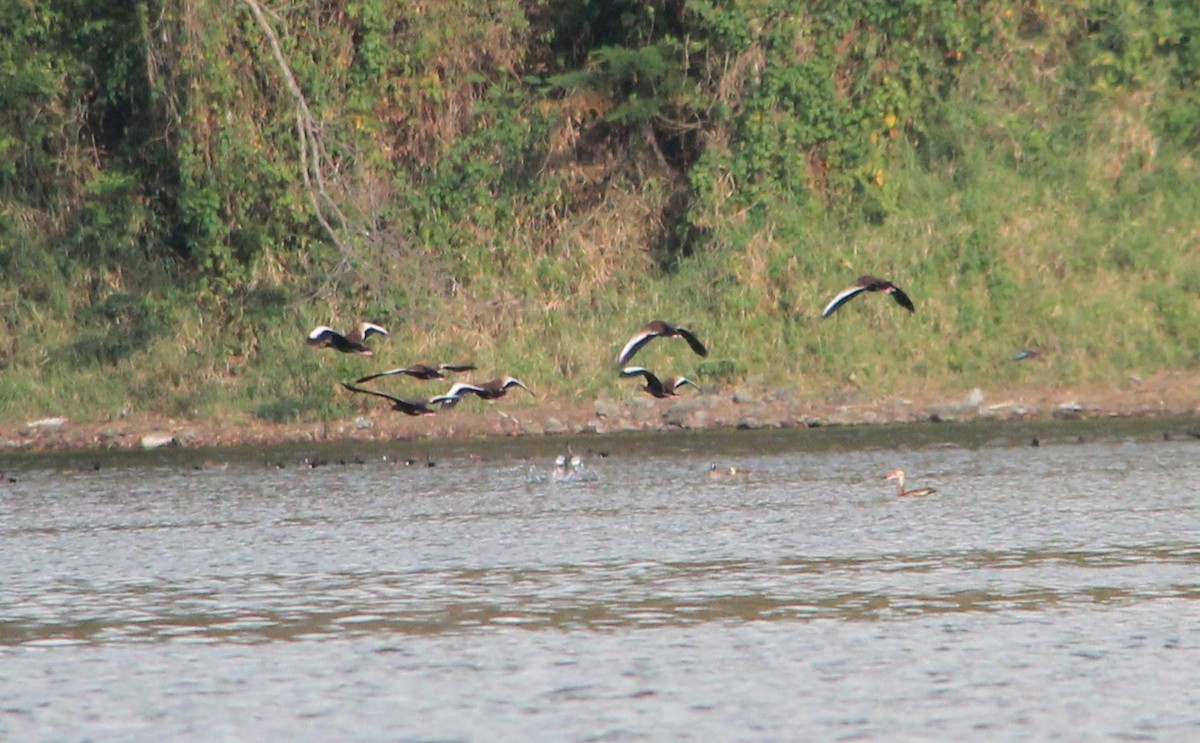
x: 482, y: 563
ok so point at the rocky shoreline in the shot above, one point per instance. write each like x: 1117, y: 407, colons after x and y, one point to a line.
x: 748, y: 406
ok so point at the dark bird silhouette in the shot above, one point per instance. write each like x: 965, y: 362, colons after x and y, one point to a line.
x: 491, y: 390
x: 420, y: 371
x: 658, y: 329
x: 324, y: 336
x: 408, y: 407
x: 898, y: 476
x: 658, y: 387
x: 868, y: 284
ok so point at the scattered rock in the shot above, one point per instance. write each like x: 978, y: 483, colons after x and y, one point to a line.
x: 595, y: 426
x: 532, y: 428
x: 159, y: 439
x: 554, y: 426
x: 1069, y: 411
x: 363, y: 423
x: 607, y: 409
x: 47, y: 423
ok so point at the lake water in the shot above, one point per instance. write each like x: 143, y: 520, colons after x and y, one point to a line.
x: 1045, y: 592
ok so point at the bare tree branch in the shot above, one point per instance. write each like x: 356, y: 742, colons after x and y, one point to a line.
x: 312, y: 153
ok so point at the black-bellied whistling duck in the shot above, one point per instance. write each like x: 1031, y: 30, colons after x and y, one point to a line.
x: 491, y: 390
x: 420, y: 371
x: 898, y: 476
x: 408, y: 407
x: 868, y: 284
x: 658, y: 387
x: 719, y: 473
x: 658, y: 329
x: 324, y: 336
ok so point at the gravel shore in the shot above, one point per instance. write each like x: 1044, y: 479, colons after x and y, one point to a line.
x: 748, y: 406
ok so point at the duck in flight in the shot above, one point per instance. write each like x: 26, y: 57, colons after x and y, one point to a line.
x: 408, y: 407
x: 898, y: 476
x: 659, y: 388
x: 867, y: 283
x: 324, y: 336
x: 420, y: 371
x: 658, y: 329
x: 491, y: 390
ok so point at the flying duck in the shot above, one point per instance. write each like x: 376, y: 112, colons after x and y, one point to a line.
x: 898, y: 476
x: 324, y: 336
x: 867, y: 283
x: 408, y: 407
x: 655, y: 329
x: 491, y: 390
x: 658, y: 387
x: 420, y: 371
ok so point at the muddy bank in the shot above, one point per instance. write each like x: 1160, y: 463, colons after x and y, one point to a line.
x: 749, y: 406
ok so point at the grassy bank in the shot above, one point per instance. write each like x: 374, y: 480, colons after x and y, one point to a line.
x: 168, y: 233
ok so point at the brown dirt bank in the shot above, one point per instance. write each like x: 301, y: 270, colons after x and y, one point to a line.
x: 746, y: 406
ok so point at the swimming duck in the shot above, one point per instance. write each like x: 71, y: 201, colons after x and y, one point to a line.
x: 898, y: 476
x: 718, y: 473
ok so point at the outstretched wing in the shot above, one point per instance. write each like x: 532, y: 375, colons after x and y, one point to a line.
x: 514, y: 382
x: 367, y: 329
x: 457, y: 367
x: 413, y: 407
x: 638, y: 371
x: 683, y: 381
x: 360, y: 390
x: 634, y: 345
x: 321, y: 334
x: 844, y: 296
x: 388, y: 373
x: 652, y: 381
x: 692, y: 341
x: 459, y: 389
x: 901, y: 298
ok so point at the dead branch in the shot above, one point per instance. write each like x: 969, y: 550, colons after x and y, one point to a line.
x: 312, y: 152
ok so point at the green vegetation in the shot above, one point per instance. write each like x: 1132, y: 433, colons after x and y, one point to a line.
x: 187, y: 186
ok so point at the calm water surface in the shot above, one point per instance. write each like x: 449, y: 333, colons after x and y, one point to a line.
x: 1043, y: 593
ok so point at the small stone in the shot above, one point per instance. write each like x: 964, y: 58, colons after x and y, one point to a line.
x: 1069, y: 410
x: 159, y: 439
x: 48, y: 423
x: 607, y: 409
x: 555, y: 426
x: 532, y: 428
